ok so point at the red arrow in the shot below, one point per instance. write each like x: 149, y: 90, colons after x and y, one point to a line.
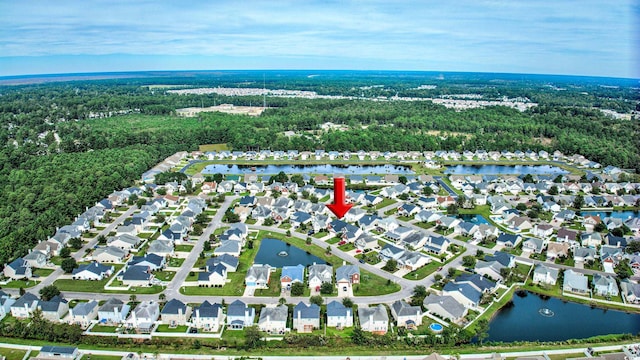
x: 339, y: 207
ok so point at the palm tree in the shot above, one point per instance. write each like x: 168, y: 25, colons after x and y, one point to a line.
x: 133, y: 298
x: 162, y: 297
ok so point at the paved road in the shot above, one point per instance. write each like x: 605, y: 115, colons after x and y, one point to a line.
x: 172, y: 290
x: 446, y: 186
x: 78, y: 255
x: 549, y: 351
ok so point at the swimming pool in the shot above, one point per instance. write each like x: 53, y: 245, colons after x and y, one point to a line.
x: 436, y: 327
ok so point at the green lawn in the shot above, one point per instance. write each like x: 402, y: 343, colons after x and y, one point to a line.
x: 101, y: 357
x: 385, y: 202
x: 104, y: 328
x: 184, y: 248
x: 96, y: 286
x: 275, y: 287
x: 176, y: 262
x: 347, y: 247
x: 42, y: 272
x: 333, y: 240
x: 177, y: 329
x: 12, y: 354
x: 424, y: 271
x: 371, y: 285
x: 164, y: 275
x: 16, y: 284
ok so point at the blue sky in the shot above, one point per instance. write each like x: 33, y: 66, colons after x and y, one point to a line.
x: 585, y: 37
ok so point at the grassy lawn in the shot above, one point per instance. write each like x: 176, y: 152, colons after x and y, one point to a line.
x: 423, y: 272
x: 333, y: 240
x: 16, y: 284
x: 371, y: 285
x: 104, y: 328
x: 164, y: 275
x: 12, y: 354
x: 176, y: 262
x: 251, y: 221
x: 425, y: 225
x: 285, y: 226
x: 347, y: 247
x: 177, y: 329
x: 56, y: 260
x: 319, y: 235
x: 42, y: 272
x: 96, y: 286
x: 391, y: 211
x: 183, y: 248
x: 274, y: 289
x: 371, y: 257
x: 385, y: 202
x: 220, y: 230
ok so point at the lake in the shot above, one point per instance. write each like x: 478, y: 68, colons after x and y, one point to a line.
x: 307, y: 169
x: 523, y: 321
x: 624, y: 215
x: 504, y: 169
x: 269, y: 249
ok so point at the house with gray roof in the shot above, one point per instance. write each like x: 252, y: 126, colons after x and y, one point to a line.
x: 161, y: 247
x: 533, y: 245
x: 584, y: 254
x: 258, y: 276
x: 273, y: 320
x: 108, y: 254
x: 6, y: 302
x: 406, y: 315
x: 306, y: 317
x: 630, y: 291
x: 152, y: 261
x: 84, y: 313
x: 346, y: 276
x: 137, y: 275
x: 124, y: 242
x: 239, y: 315
x: 575, y: 282
x: 464, y: 293
x: 143, y: 318
x: 374, y: 319
x: 208, y: 317
x: 58, y: 352
x: 605, y: 285
x: 113, y: 311
x: 24, y: 306
x: 490, y: 269
x: 543, y: 274
x: 229, y: 247
x: 318, y: 274
x: 175, y: 313
x: 446, y: 307
x: 338, y: 315
x: 36, y: 259
x: 366, y: 241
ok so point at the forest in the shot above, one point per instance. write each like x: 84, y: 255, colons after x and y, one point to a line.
x: 67, y: 145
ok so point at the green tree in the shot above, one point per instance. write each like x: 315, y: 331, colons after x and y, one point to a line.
x: 252, y: 337
x: 482, y: 330
x: 403, y: 179
x: 297, y: 289
x: 578, y: 202
x: 49, y: 292
x: 202, y: 218
x: 316, y: 299
x: 452, y: 209
x: 427, y: 190
x: 102, y: 240
x: 469, y: 261
x: 358, y: 337
x: 197, y: 230
x: 206, y: 246
x: 553, y: 190
x: 68, y: 264
x: 347, y: 302
x: 391, y: 265
x: 420, y: 291
x: 521, y: 207
x: 268, y: 222
x: 65, y: 252
x: 326, y: 288
x: 75, y: 243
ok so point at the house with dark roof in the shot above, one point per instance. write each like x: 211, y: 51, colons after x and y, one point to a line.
x: 175, y: 313
x: 306, y: 317
x: 437, y: 244
x: 55, y: 309
x: 152, y: 261
x: 18, y: 269
x: 239, y: 315
x: 144, y: 317
x: 24, y: 306
x: 137, y: 275
x: 113, y: 311
x: 215, y: 276
x: 338, y: 315
x: 273, y: 320
x: 208, y: 317
x: 508, y: 240
x: 406, y: 315
x: 228, y: 261
x: 58, y: 352
x: 92, y: 271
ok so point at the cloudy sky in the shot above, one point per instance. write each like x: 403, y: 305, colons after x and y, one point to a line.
x: 583, y: 37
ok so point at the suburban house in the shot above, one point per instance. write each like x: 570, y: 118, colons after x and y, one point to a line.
x: 175, y: 313
x: 273, y: 320
x: 291, y: 274
x: 144, y: 317
x: 630, y: 291
x: 84, y: 313
x: 556, y: 250
x: 575, y: 282
x: 108, y: 254
x: 24, y: 306
x: 318, y: 274
x: 543, y: 274
x: 490, y: 269
x: 228, y: 247
x: 533, y: 245
x: 138, y: 275
x: 36, y: 259
x: 54, y: 309
x: 584, y: 254
x: 346, y: 276
x: 228, y: 261
x: 605, y: 285
x: 306, y: 317
x: 446, y: 307
x: 374, y: 319
x: 239, y: 315
x: 208, y: 317
x: 92, y: 271
x: 215, y: 276
x: 113, y: 311
x: 366, y: 241
x: 58, y: 352
x: 508, y: 240
x: 152, y: 261
x: 338, y: 315
x: 406, y: 315
x: 258, y: 276
x: 18, y: 269
x: 5, y: 304
x: 124, y: 242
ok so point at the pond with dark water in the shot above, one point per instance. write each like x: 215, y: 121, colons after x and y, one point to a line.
x: 523, y: 320
x: 504, y: 169
x: 307, y: 169
x: 272, y: 252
